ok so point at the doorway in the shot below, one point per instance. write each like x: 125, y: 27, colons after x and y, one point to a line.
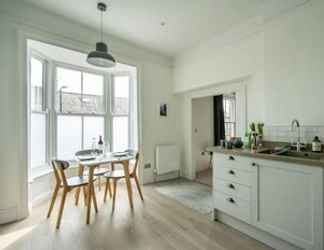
x: 209, y: 126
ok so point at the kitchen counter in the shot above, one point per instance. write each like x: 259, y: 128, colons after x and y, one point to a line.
x: 283, y: 158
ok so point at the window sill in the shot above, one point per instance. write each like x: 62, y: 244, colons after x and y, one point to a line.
x: 44, y: 170
x: 39, y: 172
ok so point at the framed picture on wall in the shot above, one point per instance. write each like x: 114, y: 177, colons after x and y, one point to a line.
x: 163, y: 109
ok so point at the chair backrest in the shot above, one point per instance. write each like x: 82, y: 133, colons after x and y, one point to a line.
x: 136, y: 161
x: 59, y: 167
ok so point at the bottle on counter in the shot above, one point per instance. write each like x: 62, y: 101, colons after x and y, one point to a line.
x: 316, y: 145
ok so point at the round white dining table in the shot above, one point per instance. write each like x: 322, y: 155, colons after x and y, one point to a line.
x: 102, y: 160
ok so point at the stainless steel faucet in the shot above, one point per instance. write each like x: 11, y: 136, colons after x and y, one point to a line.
x: 296, y: 126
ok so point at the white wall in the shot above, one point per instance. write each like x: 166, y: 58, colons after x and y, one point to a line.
x: 282, y: 58
x: 19, y: 20
x: 202, y: 131
x: 294, y: 63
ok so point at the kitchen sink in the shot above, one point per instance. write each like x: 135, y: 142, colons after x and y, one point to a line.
x: 290, y: 153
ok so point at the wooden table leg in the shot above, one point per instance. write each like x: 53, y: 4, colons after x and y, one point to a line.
x: 128, y: 183
x: 89, y: 194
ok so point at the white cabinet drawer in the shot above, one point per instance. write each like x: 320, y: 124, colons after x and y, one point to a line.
x: 233, y: 161
x: 234, y: 189
x: 233, y: 206
x: 232, y: 174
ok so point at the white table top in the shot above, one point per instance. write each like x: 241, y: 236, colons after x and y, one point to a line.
x: 105, y: 159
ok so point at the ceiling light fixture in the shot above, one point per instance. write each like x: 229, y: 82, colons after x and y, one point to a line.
x: 100, y: 57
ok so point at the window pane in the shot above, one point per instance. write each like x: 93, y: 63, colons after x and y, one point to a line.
x: 38, y: 140
x: 93, y: 128
x: 93, y: 93
x: 68, y: 91
x: 229, y: 130
x: 36, y: 82
x: 229, y: 108
x: 121, y: 95
x: 120, y: 133
x: 69, y: 136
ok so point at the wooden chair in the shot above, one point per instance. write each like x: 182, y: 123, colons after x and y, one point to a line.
x: 67, y: 184
x: 116, y: 175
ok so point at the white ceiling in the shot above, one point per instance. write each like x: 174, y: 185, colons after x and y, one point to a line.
x: 188, y: 22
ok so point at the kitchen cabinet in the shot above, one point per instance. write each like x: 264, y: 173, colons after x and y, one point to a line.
x: 282, y: 199
x: 288, y: 202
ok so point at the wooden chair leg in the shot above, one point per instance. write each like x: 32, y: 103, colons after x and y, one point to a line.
x: 58, y: 223
x: 107, y: 187
x: 139, y: 188
x: 77, y: 196
x: 99, y: 183
x: 114, y: 194
x: 57, y: 187
x: 85, y: 196
x: 94, y: 199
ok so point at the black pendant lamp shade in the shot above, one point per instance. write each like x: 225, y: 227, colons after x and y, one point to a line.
x: 100, y: 57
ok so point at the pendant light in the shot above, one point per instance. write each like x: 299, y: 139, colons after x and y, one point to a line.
x: 100, y: 57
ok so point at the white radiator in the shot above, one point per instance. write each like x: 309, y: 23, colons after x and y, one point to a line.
x: 167, y: 159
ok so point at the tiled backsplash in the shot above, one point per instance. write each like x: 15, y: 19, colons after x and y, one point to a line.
x: 284, y: 133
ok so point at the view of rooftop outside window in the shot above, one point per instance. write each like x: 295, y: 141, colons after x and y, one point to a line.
x: 79, y: 92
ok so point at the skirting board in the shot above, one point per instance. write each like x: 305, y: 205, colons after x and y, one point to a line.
x: 168, y: 176
x: 253, y: 232
x: 41, y: 198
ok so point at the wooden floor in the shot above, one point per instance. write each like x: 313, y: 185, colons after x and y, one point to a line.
x: 158, y: 223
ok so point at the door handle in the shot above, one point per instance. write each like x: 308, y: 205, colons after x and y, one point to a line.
x: 231, y: 158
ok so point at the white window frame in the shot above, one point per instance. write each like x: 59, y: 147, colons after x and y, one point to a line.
x: 49, y: 90
x: 234, y: 122
x: 38, y: 56
x: 56, y: 113
x: 130, y: 103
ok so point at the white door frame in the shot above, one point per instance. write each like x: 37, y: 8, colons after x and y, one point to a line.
x: 237, y: 86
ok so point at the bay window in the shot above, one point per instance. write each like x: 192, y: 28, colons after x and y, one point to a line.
x: 71, y: 105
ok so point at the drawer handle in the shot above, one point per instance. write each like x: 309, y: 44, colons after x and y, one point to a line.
x: 231, y: 186
x: 231, y: 158
x: 231, y: 172
x: 254, y: 164
x: 231, y: 200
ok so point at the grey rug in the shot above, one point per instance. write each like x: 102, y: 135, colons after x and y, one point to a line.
x: 192, y: 194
